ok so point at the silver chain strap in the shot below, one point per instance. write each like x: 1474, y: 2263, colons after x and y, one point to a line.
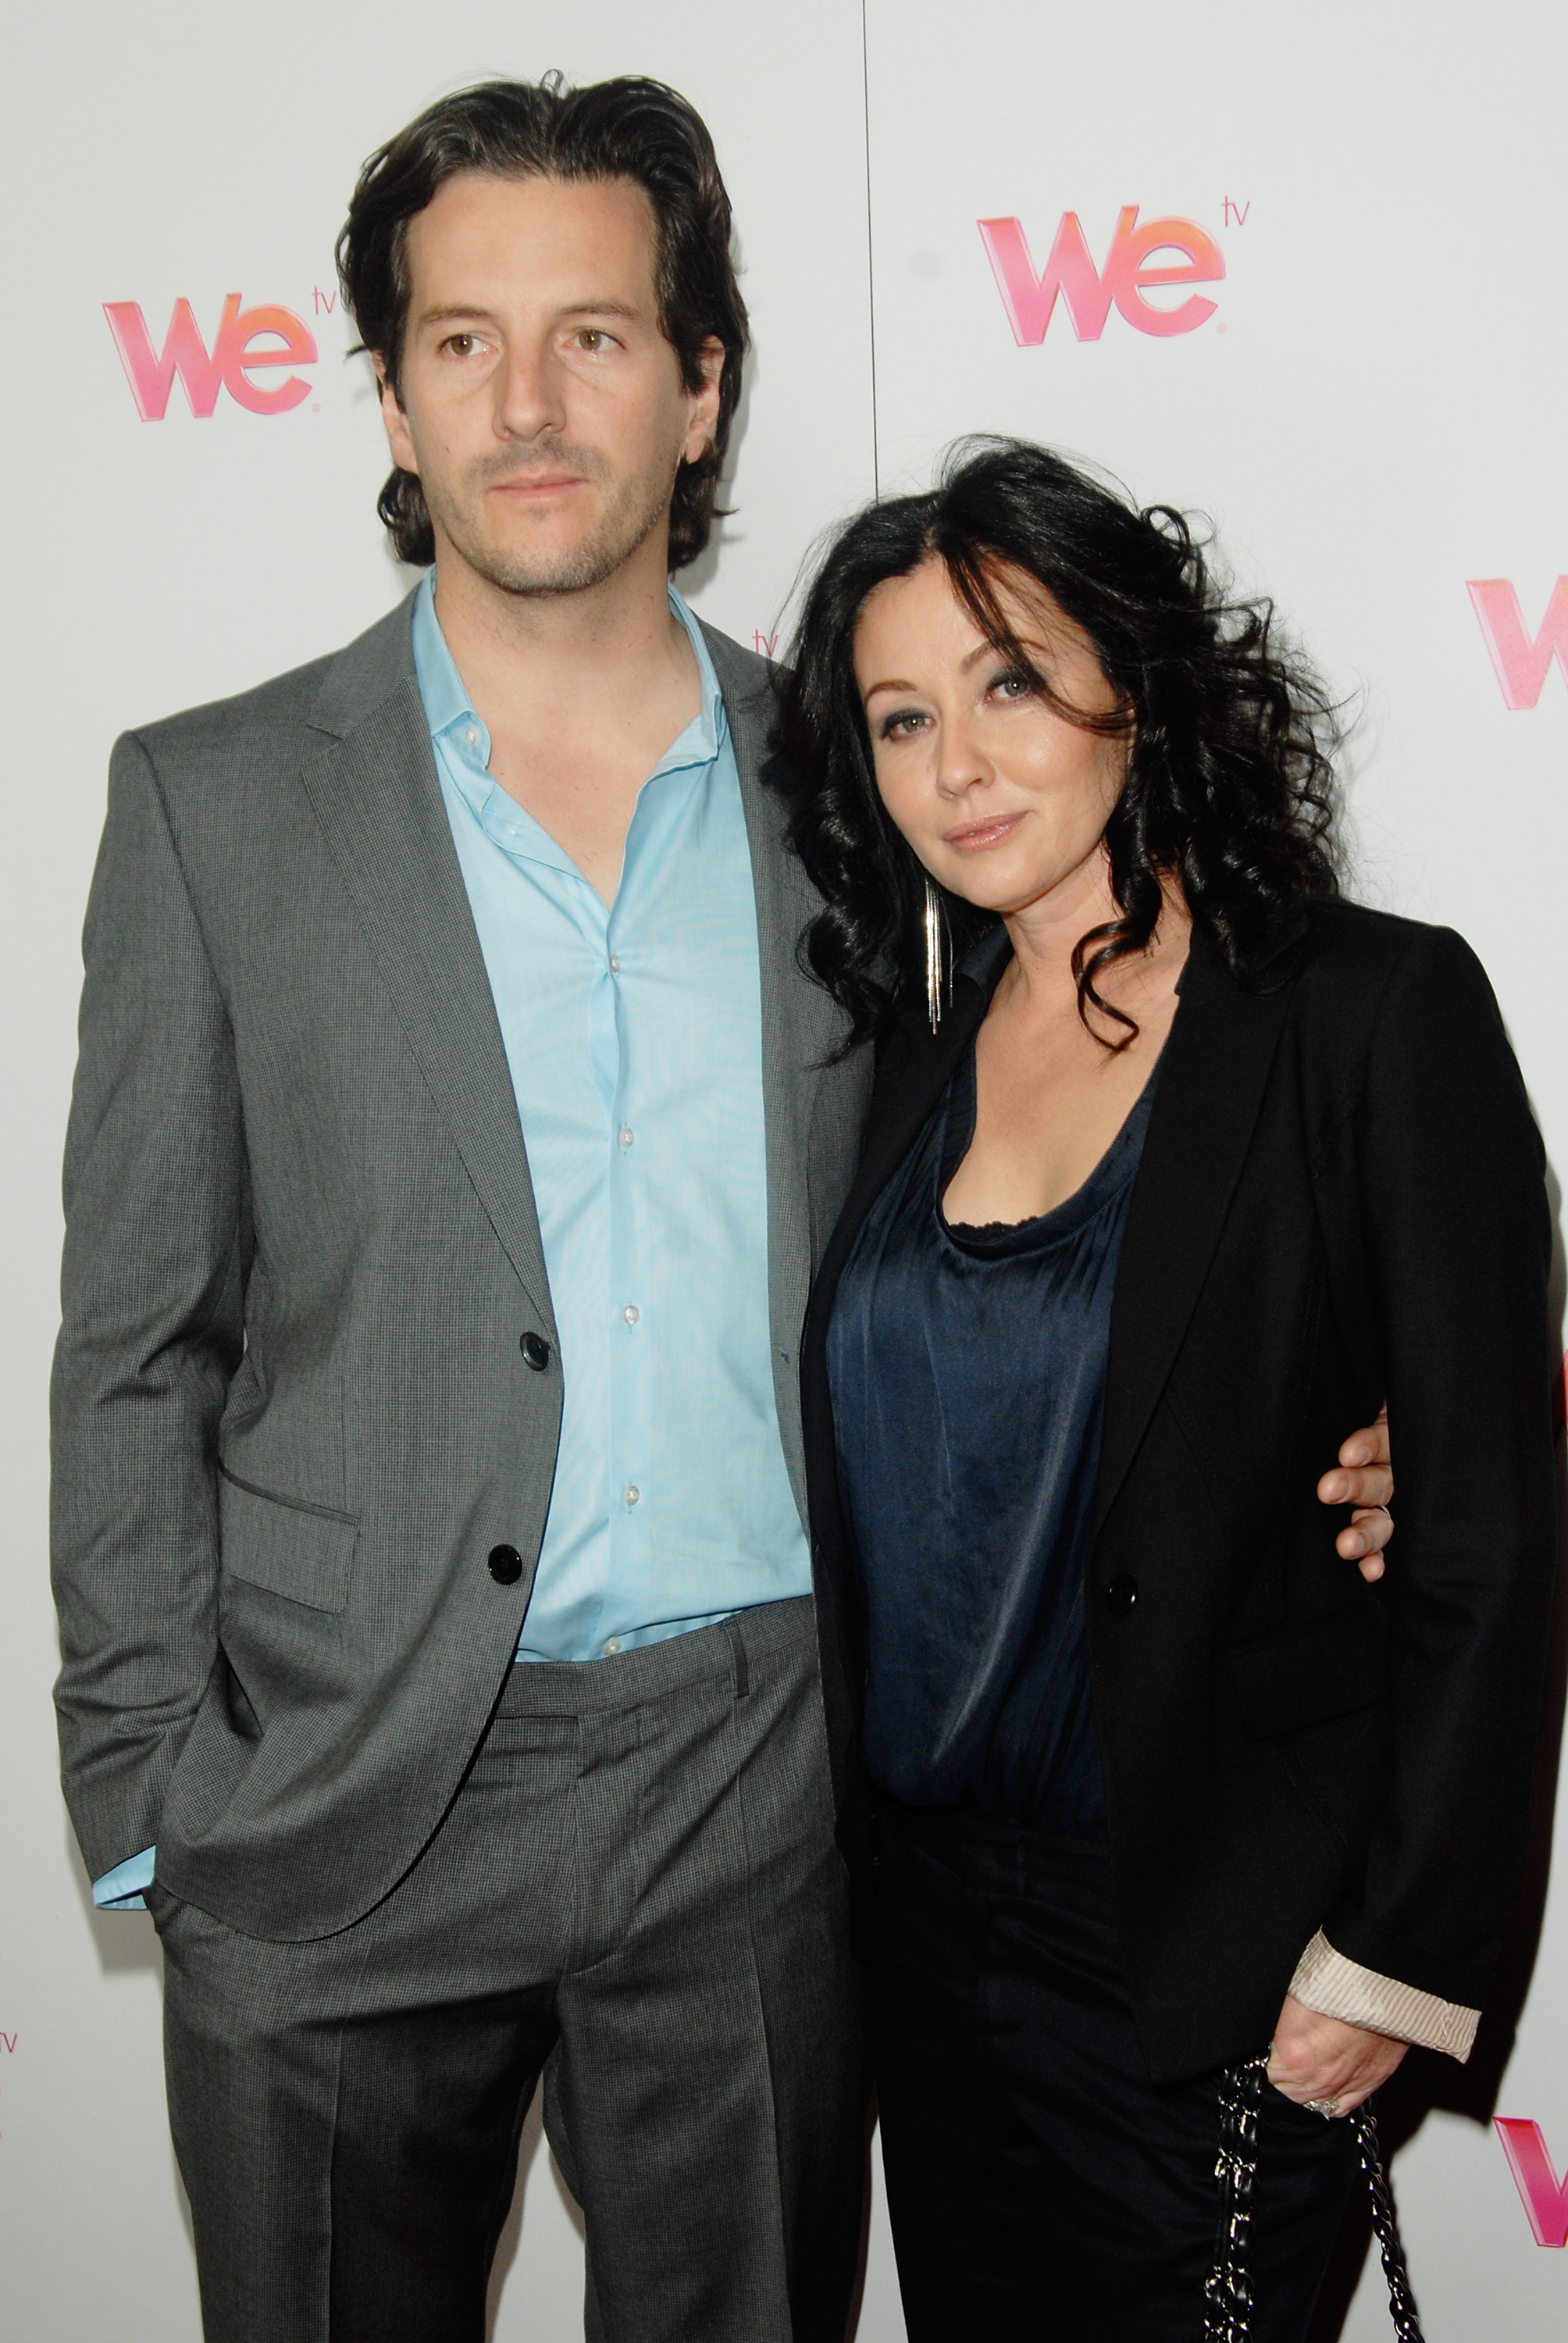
x: 1401, y: 2306
x: 1228, y: 2313
x: 1228, y: 2299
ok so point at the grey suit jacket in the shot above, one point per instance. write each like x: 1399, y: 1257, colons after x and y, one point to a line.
x: 292, y: 1417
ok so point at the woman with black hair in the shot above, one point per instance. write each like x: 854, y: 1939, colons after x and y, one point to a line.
x: 1189, y: 1164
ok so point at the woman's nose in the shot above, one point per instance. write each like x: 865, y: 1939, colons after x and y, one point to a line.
x: 959, y: 765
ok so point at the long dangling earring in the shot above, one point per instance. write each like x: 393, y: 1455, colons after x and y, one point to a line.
x: 938, y: 973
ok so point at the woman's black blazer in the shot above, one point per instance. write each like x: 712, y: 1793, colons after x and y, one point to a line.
x: 1340, y: 1199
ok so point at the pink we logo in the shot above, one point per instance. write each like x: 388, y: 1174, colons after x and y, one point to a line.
x: 248, y: 342
x: 1520, y: 659
x: 1029, y: 295
x: 1542, y: 2194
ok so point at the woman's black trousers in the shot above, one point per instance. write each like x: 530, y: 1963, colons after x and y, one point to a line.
x: 1038, y: 2185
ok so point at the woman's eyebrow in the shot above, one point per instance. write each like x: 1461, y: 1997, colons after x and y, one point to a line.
x: 1002, y: 650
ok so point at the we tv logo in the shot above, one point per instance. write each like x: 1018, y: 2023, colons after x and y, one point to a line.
x: 1543, y: 2196
x: 1520, y: 659
x: 248, y: 342
x: 1088, y: 292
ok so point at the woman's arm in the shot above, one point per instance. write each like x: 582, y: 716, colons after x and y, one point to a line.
x: 1343, y: 2029
x: 1457, y: 1233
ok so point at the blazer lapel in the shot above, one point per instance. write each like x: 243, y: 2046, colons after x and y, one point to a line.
x: 1216, y: 1064
x: 377, y: 797
x: 915, y: 1072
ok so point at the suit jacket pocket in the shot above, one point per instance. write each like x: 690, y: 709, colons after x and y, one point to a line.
x: 302, y: 1551
x: 1315, y: 1669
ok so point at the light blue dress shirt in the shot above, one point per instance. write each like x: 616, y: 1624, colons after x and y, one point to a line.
x: 634, y: 1037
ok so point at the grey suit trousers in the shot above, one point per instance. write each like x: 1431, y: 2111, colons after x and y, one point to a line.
x: 637, y: 1894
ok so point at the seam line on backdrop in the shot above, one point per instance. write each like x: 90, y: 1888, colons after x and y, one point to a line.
x: 870, y: 249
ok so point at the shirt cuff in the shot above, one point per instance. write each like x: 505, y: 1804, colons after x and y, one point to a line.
x: 120, y: 1890
x: 1337, y: 1987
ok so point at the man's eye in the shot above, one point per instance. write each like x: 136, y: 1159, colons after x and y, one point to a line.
x: 593, y: 337
x: 462, y: 345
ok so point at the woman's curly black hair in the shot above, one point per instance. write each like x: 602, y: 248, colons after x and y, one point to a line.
x: 1230, y: 787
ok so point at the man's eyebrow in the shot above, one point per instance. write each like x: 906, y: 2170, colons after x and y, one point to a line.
x: 440, y: 316
x: 602, y: 309
x: 607, y: 308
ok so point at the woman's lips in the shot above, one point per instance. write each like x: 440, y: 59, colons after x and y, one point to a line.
x: 976, y: 836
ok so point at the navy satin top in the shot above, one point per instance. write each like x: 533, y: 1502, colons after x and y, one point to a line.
x: 968, y: 1376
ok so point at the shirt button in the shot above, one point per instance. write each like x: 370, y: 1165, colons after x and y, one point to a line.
x: 627, y: 1135
x: 473, y: 737
x: 614, y: 964
x: 613, y: 1647
x: 630, y: 1493
x: 631, y: 1314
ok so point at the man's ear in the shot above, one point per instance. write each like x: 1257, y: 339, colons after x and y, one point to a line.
x: 395, y: 417
x: 704, y: 420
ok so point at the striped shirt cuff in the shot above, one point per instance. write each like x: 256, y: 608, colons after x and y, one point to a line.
x: 1337, y: 1987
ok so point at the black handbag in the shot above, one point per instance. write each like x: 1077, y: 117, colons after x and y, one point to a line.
x: 1227, y: 2314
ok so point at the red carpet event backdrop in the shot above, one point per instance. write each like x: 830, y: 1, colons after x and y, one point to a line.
x: 1298, y: 271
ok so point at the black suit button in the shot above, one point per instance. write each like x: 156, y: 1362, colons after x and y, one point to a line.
x: 536, y: 1350
x: 1120, y: 1595
x: 506, y: 1565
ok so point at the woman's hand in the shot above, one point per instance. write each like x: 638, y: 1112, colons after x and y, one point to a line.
x: 1365, y: 1480
x: 1321, y: 2059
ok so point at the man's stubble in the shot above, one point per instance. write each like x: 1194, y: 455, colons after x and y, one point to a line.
x: 629, y: 516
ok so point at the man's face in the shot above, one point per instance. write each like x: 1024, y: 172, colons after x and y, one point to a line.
x: 541, y: 406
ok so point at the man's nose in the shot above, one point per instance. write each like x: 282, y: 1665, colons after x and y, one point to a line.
x: 529, y: 394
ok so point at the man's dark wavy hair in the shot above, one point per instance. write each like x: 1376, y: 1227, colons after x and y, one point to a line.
x: 624, y: 129
x: 1230, y: 784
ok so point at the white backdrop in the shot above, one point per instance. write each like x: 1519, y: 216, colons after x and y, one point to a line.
x: 1367, y: 399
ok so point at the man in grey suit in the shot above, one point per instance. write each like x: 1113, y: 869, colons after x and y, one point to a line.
x: 452, y: 1143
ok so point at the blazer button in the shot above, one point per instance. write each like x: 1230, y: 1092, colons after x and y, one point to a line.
x: 536, y: 1351
x: 1120, y: 1595
x: 506, y: 1565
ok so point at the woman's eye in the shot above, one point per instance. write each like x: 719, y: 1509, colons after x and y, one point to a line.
x: 901, y: 723
x: 1013, y: 684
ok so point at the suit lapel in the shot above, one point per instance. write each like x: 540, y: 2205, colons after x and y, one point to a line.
x: 801, y: 1026
x: 378, y: 798
x: 1211, y: 1082
x: 805, y: 1099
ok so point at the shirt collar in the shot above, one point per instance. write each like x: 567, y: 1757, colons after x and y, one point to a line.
x: 440, y: 686
x: 448, y: 706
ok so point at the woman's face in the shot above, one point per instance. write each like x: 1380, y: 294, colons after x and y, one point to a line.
x: 1003, y: 800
